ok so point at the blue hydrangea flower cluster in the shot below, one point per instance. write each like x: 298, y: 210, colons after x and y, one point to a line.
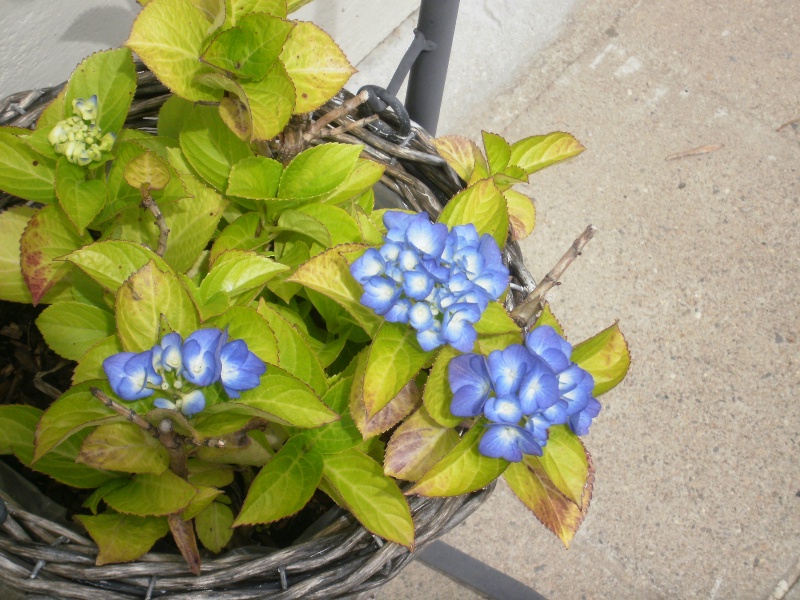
x: 522, y: 391
x: 439, y: 281
x: 179, y: 369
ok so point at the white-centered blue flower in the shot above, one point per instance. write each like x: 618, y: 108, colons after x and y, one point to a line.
x: 241, y: 369
x: 201, y: 350
x: 509, y: 442
x: 130, y: 374
x: 470, y: 383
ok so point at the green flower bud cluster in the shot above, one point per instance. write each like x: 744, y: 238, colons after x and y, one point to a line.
x: 78, y: 137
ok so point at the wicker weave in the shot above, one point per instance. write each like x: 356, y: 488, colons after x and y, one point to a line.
x: 43, y: 557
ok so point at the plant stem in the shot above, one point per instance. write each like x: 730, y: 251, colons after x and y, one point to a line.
x: 527, y: 310
x: 150, y: 204
x: 128, y: 413
x: 174, y: 445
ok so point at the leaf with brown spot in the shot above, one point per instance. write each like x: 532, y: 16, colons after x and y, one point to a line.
x: 49, y: 235
x: 417, y: 445
x: 521, y: 214
x: 183, y: 533
x: 406, y: 401
x: 606, y: 356
x: 529, y: 481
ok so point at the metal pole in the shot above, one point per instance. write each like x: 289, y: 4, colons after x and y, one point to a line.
x: 437, y: 21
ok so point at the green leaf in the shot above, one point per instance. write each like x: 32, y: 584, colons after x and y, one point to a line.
x: 12, y: 223
x: 342, y: 228
x: 438, y: 395
x: 287, y: 398
x: 210, y: 146
x: 90, y: 365
x: 481, y: 204
x: 329, y: 274
x: 540, y: 151
x: 495, y: 320
x: 23, y: 172
x: 271, y: 101
x: 316, y: 65
x: 236, y: 271
x: 53, y: 112
x: 358, y: 481
x: 213, y: 526
x: 463, y: 155
x: 605, y: 356
x: 488, y: 343
x: 249, y: 48
x: 151, y: 495
x: 498, y: 152
x: 48, y: 236
x: 71, y: 328
x: 60, y: 464
x: 147, y: 169
x: 462, y: 470
x: 202, y: 500
x: 283, y: 486
x: 209, y: 474
x: 395, y: 344
x: 339, y: 435
x: 18, y: 423
x: 236, y: 9
x: 255, y: 177
x: 246, y: 324
x: 73, y: 411
x: 93, y: 501
x: 318, y: 170
x: 548, y: 318
x: 566, y: 462
x: 521, y: 214
x: 169, y: 36
x: 300, y: 223
x: 529, y: 481
x: 111, y: 76
x: 80, y: 199
x: 295, y: 355
x: 364, y: 175
x: 143, y: 298
x: 245, y: 233
x: 123, y: 538
x: 256, y: 453
x: 418, y: 444
x: 111, y: 263
x: 172, y: 115
x: 124, y: 447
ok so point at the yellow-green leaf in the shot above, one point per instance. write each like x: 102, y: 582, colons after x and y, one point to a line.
x: 481, y: 204
x: 605, y: 356
x: 540, y: 151
x: 316, y: 65
x: 521, y: 214
x: 123, y: 538
x: 169, y: 36
x: 418, y: 444
x: 151, y: 495
x: 124, y: 447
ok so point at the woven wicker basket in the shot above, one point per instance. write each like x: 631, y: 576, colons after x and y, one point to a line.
x: 45, y: 557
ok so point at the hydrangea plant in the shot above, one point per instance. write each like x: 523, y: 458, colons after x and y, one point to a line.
x: 247, y: 328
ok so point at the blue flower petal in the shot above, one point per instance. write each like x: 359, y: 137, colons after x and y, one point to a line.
x: 417, y: 284
x: 420, y: 316
x: 509, y: 442
x: 505, y: 409
x: 164, y: 403
x: 429, y: 238
x: 192, y: 403
x: 129, y: 374
x: 508, y: 368
x: 470, y: 383
x: 399, y: 311
x: 379, y: 294
x: 171, y: 358
x: 539, y: 387
x: 579, y: 395
x: 201, y: 350
x: 396, y: 223
x: 554, y: 349
x: 431, y: 338
x: 580, y: 422
x: 370, y: 264
x: 241, y: 369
